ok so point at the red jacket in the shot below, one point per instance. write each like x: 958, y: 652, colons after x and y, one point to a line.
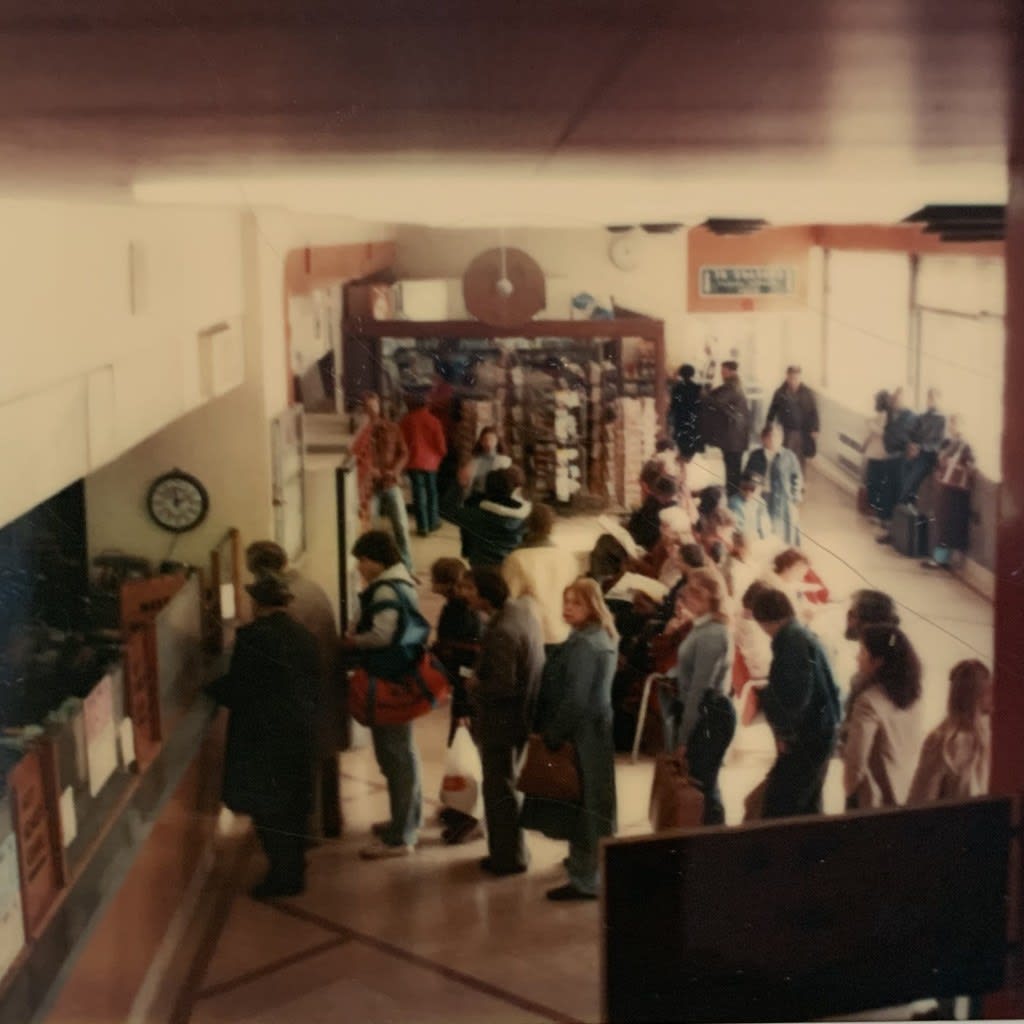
x: 424, y: 437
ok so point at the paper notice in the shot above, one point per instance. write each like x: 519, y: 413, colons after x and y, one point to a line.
x: 126, y: 737
x: 68, y: 821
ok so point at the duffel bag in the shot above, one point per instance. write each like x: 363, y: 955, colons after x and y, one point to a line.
x: 376, y: 701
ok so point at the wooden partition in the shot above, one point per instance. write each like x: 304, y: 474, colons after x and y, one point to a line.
x: 807, y: 918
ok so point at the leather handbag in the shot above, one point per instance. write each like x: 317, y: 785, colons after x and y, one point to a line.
x: 550, y: 774
x: 676, y: 800
x: 373, y: 700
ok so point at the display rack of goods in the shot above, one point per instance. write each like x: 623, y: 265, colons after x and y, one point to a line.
x: 636, y: 428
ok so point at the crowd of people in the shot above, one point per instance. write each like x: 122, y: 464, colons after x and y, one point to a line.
x: 708, y: 591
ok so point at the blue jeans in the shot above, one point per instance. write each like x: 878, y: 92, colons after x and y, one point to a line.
x: 424, y: 499
x: 390, y: 504
x: 399, y: 762
x: 582, y: 863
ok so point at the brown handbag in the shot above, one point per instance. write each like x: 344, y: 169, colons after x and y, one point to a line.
x: 676, y: 801
x: 550, y: 774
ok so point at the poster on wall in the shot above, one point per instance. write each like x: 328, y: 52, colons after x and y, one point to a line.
x: 727, y: 282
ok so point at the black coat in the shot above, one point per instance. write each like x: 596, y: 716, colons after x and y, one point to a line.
x: 796, y: 411
x: 270, y: 690
x: 684, y: 415
x: 729, y: 415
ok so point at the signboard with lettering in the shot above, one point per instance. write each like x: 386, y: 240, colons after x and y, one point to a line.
x: 768, y: 279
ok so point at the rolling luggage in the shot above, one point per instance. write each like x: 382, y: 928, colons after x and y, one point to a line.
x: 909, y: 531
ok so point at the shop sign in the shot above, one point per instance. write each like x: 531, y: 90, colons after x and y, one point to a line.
x: 768, y: 279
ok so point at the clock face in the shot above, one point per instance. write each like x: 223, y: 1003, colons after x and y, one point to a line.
x: 177, y: 501
x: 625, y: 252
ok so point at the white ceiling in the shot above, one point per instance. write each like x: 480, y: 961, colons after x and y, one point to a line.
x: 533, y: 112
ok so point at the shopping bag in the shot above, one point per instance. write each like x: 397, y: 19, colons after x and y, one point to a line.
x: 460, y: 785
x: 551, y: 774
x: 676, y: 800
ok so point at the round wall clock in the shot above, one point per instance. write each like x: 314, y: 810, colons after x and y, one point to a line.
x: 624, y: 251
x: 177, y: 501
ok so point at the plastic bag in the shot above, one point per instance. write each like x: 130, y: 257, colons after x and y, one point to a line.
x: 460, y: 786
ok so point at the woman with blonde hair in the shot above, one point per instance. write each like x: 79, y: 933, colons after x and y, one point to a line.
x: 699, y: 718
x: 954, y: 760
x: 576, y: 706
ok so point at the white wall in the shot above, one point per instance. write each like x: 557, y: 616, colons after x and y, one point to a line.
x: 87, y: 373
x: 573, y: 261
x: 227, y: 442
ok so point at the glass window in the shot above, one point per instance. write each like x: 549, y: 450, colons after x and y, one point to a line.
x: 867, y: 329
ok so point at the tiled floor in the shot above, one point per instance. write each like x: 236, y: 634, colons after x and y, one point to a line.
x: 429, y: 937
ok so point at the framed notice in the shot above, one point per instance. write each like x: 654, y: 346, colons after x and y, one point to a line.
x: 766, y: 279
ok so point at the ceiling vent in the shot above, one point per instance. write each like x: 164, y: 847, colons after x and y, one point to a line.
x: 733, y: 225
x: 978, y: 223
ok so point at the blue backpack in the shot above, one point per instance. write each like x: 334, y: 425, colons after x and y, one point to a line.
x: 404, y: 652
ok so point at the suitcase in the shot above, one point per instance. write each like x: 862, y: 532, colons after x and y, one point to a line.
x: 909, y: 531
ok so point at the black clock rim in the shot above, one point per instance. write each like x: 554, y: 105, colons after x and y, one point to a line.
x: 176, y: 474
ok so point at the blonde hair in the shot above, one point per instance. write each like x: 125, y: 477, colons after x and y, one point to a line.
x: 589, y: 592
x: 713, y: 584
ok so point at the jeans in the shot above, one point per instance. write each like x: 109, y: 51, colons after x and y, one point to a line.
x: 501, y: 806
x: 914, y: 473
x: 424, y: 499
x: 706, y: 750
x: 583, y: 860
x: 733, y: 464
x: 796, y: 779
x: 399, y: 763
x: 390, y: 504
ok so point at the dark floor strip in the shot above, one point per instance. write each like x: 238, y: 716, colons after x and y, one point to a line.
x: 275, y: 965
x: 545, y: 1012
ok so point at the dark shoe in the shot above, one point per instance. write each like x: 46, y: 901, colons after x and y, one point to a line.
x: 269, y: 889
x: 380, y: 828
x: 491, y: 868
x: 885, y: 538
x: 930, y: 563
x: 462, y: 832
x: 569, y: 892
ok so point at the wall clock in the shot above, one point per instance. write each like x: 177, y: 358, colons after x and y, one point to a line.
x: 624, y: 251
x: 177, y: 501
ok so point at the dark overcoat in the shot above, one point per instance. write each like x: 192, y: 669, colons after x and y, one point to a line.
x: 271, y: 691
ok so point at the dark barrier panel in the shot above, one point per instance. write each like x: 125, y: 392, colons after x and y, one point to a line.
x: 807, y: 917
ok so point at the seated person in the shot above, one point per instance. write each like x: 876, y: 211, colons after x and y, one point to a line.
x: 674, y: 529
x: 792, y: 574
x: 495, y: 527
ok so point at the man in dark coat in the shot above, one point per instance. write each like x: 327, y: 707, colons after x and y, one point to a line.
x: 504, y: 696
x: 731, y: 416
x: 801, y: 703
x: 684, y: 412
x: 922, y: 453
x: 270, y: 690
x: 794, y: 406
x: 493, y: 528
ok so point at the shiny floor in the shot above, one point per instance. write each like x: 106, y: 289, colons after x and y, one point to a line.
x: 431, y: 938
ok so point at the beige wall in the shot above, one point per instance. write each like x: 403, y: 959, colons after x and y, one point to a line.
x: 227, y: 442
x: 573, y: 260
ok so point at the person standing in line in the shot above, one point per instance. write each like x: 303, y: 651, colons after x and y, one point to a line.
x: 875, y: 455
x: 377, y: 644
x: 699, y: 718
x: 896, y: 440
x: 731, y: 414
x: 883, y: 730
x: 801, y: 704
x: 954, y: 477
x: 311, y: 608
x: 794, y: 407
x: 783, y: 483
x: 955, y: 758
x: 922, y: 454
x: 425, y: 441
x: 270, y: 690
x: 684, y: 413
x: 540, y: 571
x: 380, y: 453
x: 503, y: 695
x: 576, y: 707
x: 867, y: 608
